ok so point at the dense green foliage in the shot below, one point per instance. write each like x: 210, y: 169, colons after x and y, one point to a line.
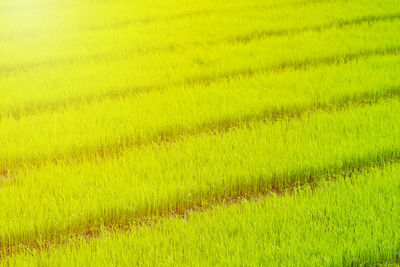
x: 353, y: 220
x: 113, y: 113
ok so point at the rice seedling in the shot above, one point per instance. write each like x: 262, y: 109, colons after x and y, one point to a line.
x: 114, y: 114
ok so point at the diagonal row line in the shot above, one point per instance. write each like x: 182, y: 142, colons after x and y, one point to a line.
x: 104, y: 57
x: 204, y: 80
x: 309, y: 178
x: 126, y: 143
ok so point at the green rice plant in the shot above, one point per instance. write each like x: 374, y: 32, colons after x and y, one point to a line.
x: 115, y: 114
x: 86, y: 29
x: 56, y: 200
x: 111, y: 126
x: 28, y: 88
x: 352, y: 220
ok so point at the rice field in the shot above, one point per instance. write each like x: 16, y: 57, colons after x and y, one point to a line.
x: 199, y: 133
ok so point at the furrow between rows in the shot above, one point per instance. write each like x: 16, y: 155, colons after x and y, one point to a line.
x: 204, y: 80
x: 176, y: 177
x: 316, y: 28
x: 204, y: 203
x: 104, y: 57
x: 126, y: 143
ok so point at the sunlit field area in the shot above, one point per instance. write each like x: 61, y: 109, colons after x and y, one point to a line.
x: 199, y: 133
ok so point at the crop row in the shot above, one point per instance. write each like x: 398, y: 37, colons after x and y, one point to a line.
x: 352, y: 220
x: 52, y: 202
x: 33, y: 88
x: 112, y: 126
x: 91, y: 31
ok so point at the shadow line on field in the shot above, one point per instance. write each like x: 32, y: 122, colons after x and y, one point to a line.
x: 299, y: 65
x: 259, y: 188
x: 199, y: 13
x: 126, y: 143
x: 180, y: 16
x: 113, y: 150
x: 203, y: 80
x: 339, y: 24
x: 108, y: 57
